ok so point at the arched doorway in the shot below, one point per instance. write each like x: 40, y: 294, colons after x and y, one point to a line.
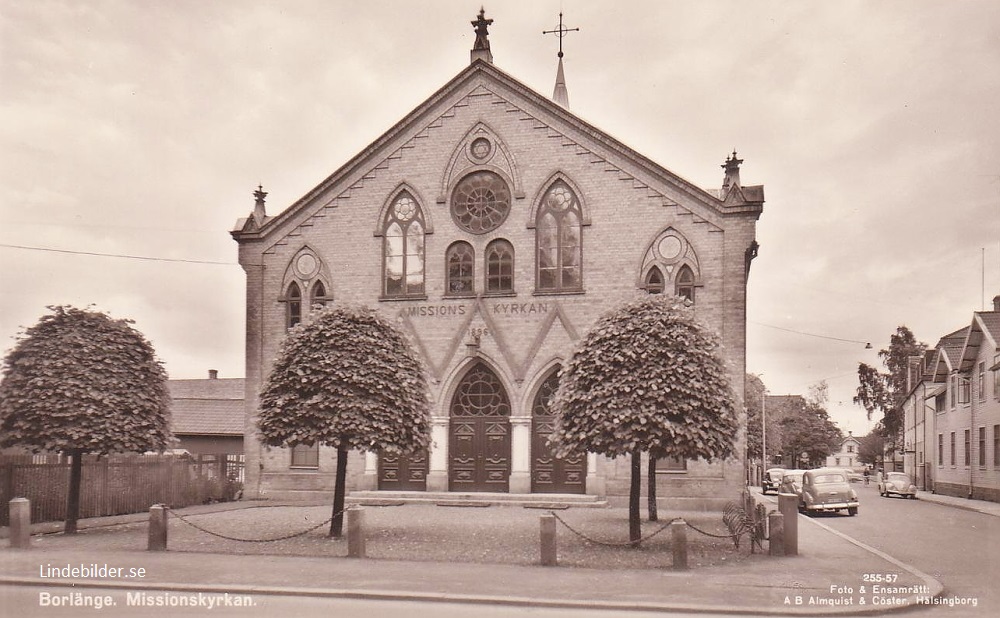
x: 479, y: 444
x: 549, y: 474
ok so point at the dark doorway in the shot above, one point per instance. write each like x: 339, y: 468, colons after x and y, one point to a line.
x: 549, y: 474
x: 403, y: 472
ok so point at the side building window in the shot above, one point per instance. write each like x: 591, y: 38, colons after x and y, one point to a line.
x: 305, y: 456
x: 684, y: 284
x: 459, y: 263
x: 499, y: 267
x: 318, y: 295
x: 403, y: 249
x: 559, y: 265
x: 654, y: 281
x: 293, y: 306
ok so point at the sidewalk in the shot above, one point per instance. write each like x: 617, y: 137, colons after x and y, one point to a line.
x: 825, y: 579
x: 980, y: 506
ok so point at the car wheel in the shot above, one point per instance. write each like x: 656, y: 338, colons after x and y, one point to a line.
x: 852, y: 511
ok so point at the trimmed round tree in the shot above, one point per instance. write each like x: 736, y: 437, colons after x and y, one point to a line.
x: 82, y: 382
x: 349, y: 379
x: 646, y: 377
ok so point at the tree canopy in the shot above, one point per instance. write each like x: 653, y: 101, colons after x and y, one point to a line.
x: 883, y: 392
x: 79, y: 380
x: 647, y: 377
x: 349, y: 379
x: 755, y: 392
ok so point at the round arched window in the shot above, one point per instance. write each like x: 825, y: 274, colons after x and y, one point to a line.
x: 480, y: 202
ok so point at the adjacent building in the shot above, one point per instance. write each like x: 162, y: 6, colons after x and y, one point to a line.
x: 496, y: 225
x: 847, y: 455
x: 951, y: 427
x: 208, y: 415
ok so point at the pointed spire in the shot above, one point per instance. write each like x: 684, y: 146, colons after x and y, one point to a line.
x: 481, y: 48
x: 259, y: 213
x: 560, y: 94
x: 732, y: 178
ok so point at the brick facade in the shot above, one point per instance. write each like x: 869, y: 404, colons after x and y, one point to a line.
x: 627, y: 204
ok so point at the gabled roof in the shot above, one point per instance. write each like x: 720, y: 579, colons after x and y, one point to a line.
x: 207, y: 407
x: 470, y: 80
x: 980, y: 333
x: 949, y: 353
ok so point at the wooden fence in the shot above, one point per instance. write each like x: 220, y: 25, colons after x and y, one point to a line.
x: 117, y: 484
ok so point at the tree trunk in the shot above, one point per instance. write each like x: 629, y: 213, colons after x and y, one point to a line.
x: 634, y: 526
x: 73, y: 497
x: 651, y: 489
x: 339, y: 490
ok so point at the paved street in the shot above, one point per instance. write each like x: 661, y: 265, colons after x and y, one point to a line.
x: 955, y: 546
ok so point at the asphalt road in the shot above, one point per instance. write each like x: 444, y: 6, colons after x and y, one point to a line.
x: 959, y: 548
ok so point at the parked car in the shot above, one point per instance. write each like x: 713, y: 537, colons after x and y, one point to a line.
x: 771, y: 480
x: 791, y: 482
x: 897, y: 483
x: 827, y: 489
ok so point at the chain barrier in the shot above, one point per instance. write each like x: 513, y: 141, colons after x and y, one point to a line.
x: 643, y: 538
x: 233, y: 538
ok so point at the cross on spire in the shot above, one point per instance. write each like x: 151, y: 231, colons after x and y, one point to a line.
x: 560, y: 32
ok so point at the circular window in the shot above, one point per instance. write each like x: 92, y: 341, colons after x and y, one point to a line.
x: 404, y: 208
x: 480, y: 202
x: 306, y: 265
x: 480, y: 148
x: 669, y: 247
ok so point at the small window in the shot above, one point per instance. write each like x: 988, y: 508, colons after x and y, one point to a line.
x: 850, y: 448
x: 671, y: 464
x: 293, y: 313
x: 968, y: 445
x: 654, y: 281
x: 996, y: 446
x: 952, y: 445
x: 940, y: 459
x: 318, y: 294
x: 305, y: 456
x: 996, y: 376
x: 460, y: 260
x: 982, y: 381
x: 685, y: 283
x: 964, y: 390
x: 982, y: 447
x: 499, y: 267
x: 953, y: 390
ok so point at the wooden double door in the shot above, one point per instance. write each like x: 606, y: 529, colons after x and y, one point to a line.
x: 479, y: 442
x: 551, y: 474
x: 403, y: 472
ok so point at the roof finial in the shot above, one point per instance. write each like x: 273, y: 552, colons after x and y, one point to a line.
x: 732, y: 177
x: 560, y: 95
x: 259, y: 213
x: 481, y: 48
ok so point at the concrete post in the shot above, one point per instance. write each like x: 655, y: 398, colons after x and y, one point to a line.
x: 20, y: 523
x: 788, y: 505
x: 356, y: 532
x: 547, y: 529
x: 776, y: 534
x: 157, y: 528
x: 679, y: 544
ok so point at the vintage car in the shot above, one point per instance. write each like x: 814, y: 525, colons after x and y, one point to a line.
x: 791, y: 482
x: 897, y: 483
x: 772, y: 478
x: 853, y: 476
x: 827, y: 489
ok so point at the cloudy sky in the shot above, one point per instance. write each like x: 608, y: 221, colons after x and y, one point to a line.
x: 141, y: 127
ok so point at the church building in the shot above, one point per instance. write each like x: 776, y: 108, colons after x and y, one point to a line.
x: 497, y: 226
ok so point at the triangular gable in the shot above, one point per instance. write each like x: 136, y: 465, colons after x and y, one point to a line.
x: 978, y: 335
x: 588, y: 139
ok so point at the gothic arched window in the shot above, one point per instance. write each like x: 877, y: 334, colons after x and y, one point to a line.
x: 558, y: 241
x: 460, y: 261
x: 318, y: 294
x: 684, y: 283
x: 293, y: 313
x: 403, y: 249
x: 499, y: 267
x: 654, y: 281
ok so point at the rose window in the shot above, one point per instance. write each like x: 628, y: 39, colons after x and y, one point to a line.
x: 481, y: 202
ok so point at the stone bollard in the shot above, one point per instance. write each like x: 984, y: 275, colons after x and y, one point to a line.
x: 788, y: 505
x: 355, y: 532
x: 679, y: 544
x: 547, y: 529
x: 157, y: 528
x: 776, y: 533
x: 20, y: 523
